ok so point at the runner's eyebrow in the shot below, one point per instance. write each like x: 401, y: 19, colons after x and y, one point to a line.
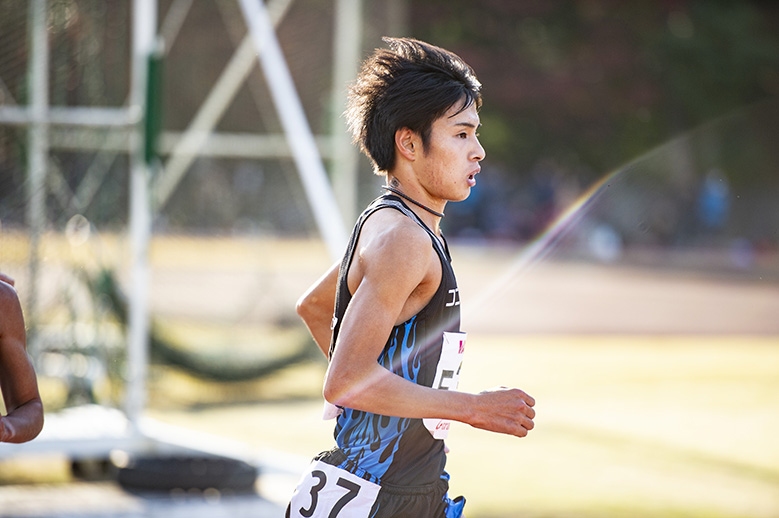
x: 468, y: 124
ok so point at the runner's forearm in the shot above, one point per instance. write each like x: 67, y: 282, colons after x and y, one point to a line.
x: 382, y: 392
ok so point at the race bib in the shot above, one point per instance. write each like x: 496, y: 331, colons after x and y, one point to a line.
x: 447, y: 377
x: 330, y: 492
x: 330, y: 411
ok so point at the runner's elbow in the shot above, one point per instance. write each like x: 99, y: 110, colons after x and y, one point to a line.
x: 311, y: 310
x: 306, y: 311
x: 303, y: 306
x: 336, y: 392
x: 34, y: 430
x: 344, y: 389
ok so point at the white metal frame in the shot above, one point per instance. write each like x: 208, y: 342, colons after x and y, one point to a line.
x: 70, y: 433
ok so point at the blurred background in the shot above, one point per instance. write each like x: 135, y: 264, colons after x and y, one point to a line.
x: 172, y: 178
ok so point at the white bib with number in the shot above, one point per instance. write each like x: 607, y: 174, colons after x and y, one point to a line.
x: 447, y: 377
x: 330, y: 492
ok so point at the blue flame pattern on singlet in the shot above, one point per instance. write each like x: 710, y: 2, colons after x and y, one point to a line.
x: 394, y: 450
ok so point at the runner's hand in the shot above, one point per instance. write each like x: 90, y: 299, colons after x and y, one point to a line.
x: 504, y: 410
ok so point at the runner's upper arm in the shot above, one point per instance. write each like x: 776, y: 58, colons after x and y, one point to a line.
x: 393, y: 261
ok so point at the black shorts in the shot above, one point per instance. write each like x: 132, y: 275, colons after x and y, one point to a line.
x: 323, y: 483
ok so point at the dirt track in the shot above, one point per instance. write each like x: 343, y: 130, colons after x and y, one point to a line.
x: 584, y: 297
x: 667, y: 295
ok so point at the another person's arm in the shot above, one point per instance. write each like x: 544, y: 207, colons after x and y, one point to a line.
x: 18, y: 382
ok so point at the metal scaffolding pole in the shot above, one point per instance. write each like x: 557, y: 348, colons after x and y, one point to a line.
x: 144, y: 40
x: 296, y: 128
x: 200, y: 132
x: 38, y: 155
x: 346, y: 53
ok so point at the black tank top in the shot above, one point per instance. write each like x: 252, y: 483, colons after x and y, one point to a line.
x: 393, y: 450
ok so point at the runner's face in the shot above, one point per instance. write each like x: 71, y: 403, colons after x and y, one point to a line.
x: 450, y: 161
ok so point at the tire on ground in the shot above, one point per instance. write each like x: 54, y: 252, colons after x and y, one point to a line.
x: 187, y: 472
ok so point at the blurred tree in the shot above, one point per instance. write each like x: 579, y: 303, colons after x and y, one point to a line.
x: 595, y: 83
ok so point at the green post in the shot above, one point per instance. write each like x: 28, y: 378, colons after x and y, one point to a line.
x: 153, y: 116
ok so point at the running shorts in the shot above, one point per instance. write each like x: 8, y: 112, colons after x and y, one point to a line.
x: 327, y: 490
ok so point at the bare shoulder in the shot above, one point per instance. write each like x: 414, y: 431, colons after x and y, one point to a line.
x: 390, y: 236
x: 396, y: 258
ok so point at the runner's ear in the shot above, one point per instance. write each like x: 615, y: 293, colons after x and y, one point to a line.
x: 406, y: 143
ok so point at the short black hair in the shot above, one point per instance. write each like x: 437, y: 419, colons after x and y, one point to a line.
x: 409, y: 85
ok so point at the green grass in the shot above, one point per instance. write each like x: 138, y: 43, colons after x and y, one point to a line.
x: 629, y: 426
x: 626, y: 426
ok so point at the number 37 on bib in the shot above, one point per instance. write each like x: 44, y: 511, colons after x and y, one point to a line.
x: 330, y: 492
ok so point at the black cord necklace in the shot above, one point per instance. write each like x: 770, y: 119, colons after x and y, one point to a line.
x: 412, y: 200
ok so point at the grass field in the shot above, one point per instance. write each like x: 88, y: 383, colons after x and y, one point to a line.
x: 643, y: 426
x: 657, y: 388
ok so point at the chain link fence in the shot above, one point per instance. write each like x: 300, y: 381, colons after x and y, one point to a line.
x: 234, y: 241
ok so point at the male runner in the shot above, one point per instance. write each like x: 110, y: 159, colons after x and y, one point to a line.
x: 18, y: 383
x: 388, y: 315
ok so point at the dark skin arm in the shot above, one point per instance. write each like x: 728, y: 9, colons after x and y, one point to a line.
x: 18, y: 382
